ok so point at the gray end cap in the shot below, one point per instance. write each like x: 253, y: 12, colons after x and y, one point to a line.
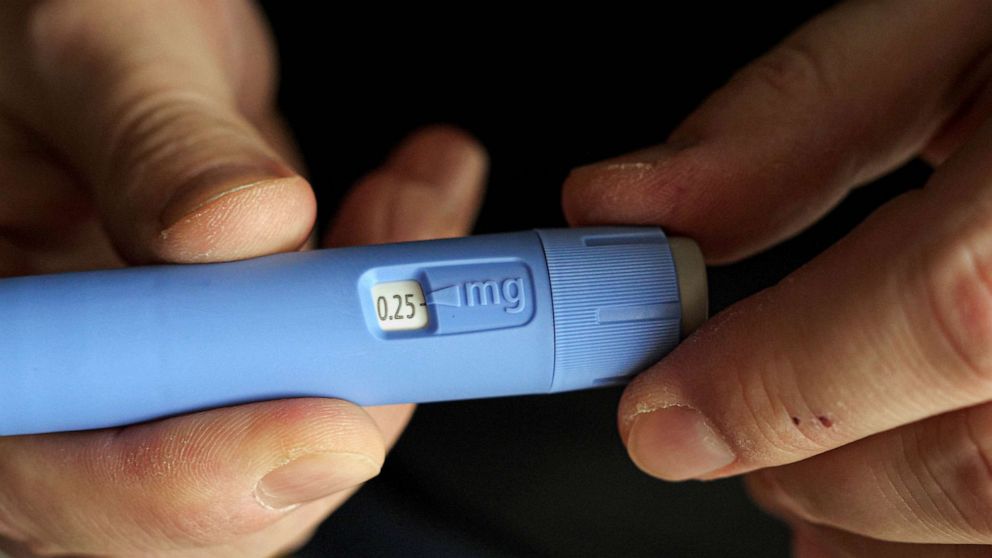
x: 690, y: 269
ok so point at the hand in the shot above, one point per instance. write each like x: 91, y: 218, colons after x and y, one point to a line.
x: 857, y: 391
x: 138, y: 132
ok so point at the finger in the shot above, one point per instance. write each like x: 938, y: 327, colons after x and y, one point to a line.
x: 281, y: 538
x: 431, y: 187
x: 180, y: 475
x: 189, y: 481
x: 47, y: 223
x: 449, y: 168
x: 819, y: 542
x: 929, y: 481
x: 846, y: 98
x: 152, y: 104
x: 889, y: 326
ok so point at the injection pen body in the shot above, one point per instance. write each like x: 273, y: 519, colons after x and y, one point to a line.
x: 516, y: 313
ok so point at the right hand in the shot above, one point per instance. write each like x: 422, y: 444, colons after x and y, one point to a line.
x: 857, y: 392
x: 146, y: 132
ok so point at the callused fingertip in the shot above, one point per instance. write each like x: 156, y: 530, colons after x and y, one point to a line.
x: 605, y: 192
x: 205, y: 186
x: 442, y: 155
x: 312, y: 477
x: 268, y: 216
x: 677, y: 443
x: 636, y: 161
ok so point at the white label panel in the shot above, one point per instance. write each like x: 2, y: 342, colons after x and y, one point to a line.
x: 399, y: 305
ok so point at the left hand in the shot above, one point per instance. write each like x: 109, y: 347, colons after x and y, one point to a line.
x: 109, y: 110
x: 857, y: 392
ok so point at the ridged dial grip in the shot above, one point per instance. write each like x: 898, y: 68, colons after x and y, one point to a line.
x: 616, y: 303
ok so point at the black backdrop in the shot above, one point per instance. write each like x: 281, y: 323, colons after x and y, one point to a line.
x: 533, y: 476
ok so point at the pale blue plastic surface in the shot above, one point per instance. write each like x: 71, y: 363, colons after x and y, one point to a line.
x: 616, y: 303
x: 109, y: 348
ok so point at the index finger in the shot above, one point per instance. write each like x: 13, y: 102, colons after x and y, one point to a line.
x: 849, y: 96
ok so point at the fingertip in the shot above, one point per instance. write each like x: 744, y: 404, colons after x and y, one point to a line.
x: 700, y: 190
x: 308, y: 425
x: 228, y: 450
x: 646, y: 187
x: 430, y: 187
x: 677, y: 443
x: 668, y: 433
x: 441, y: 154
x: 313, y: 477
x: 326, y: 447
x: 602, y: 193
x: 248, y: 220
x: 451, y: 163
x: 210, y: 477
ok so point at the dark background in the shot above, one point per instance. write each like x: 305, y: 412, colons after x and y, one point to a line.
x: 533, y: 476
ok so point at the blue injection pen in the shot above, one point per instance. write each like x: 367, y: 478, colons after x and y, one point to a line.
x: 516, y: 313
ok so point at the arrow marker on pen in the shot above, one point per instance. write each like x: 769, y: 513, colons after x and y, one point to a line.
x: 445, y: 296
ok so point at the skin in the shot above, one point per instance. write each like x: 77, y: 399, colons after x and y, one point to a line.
x: 855, y: 395
x: 180, y: 156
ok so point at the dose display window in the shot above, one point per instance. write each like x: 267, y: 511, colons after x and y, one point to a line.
x: 399, y: 305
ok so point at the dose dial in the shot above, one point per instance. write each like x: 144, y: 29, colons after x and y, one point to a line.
x: 399, y: 305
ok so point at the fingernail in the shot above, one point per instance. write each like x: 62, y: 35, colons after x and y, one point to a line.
x: 676, y: 443
x: 313, y: 477
x: 213, y: 184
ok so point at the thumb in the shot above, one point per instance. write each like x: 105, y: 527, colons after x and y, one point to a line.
x: 198, y: 480
x: 155, y: 107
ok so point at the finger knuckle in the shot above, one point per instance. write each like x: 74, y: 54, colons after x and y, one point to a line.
x: 154, y: 124
x: 957, y: 321
x: 954, y: 465
x: 795, y: 69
